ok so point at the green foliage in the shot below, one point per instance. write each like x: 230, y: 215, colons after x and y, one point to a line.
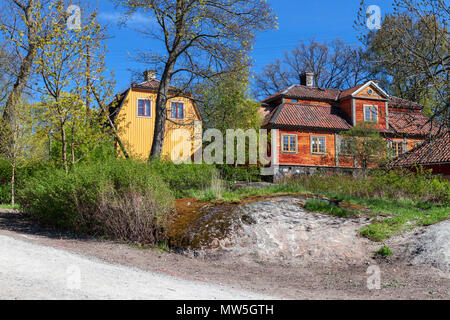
x: 324, y: 206
x: 388, y: 184
x: 385, y: 252
x: 240, y: 173
x: 227, y: 104
x: 22, y: 175
x: 365, y: 144
x: 183, y: 178
x: 122, y: 200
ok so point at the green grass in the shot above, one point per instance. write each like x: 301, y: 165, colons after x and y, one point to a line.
x: 8, y: 206
x: 397, y: 216
x: 385, y: 251
x: 324, y: 206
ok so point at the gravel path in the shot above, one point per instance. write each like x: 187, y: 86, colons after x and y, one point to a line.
x: 34, y: 271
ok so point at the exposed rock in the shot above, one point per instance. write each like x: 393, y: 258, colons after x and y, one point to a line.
x: 433, y: 247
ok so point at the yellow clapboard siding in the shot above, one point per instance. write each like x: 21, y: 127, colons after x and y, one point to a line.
x: 137, y: 132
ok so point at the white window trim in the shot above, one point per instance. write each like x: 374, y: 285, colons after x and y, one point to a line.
x: 151, y: 108
x: 184, y: 110
x: 370, y: 106
x: 311, y: 145
x: 341, y: 153
x: 296, y: 143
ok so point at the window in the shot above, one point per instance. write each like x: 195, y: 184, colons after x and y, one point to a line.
x: 345, y: 147
x: 418, y: 143
x: 318, y: 145
x: 177, y: 110
x: 371, y: 113
x: 288, y: 143
x: 144, y: 108
x: 397, y: 148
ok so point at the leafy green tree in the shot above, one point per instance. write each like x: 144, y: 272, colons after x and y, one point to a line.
x: 71, y: 67
x: 26, y: 25
x: 19, y: 142
x: 201, y: 39
x: 226, y: 102
x: 365, y: 144
x: 411, y: 51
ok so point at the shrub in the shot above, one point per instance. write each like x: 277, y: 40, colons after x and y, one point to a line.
x: 240, y: 173
x: 5, y: 181
x: 389, y: 184
x: 22, y: 174
x: 118, y: 199
x: 183, y: 178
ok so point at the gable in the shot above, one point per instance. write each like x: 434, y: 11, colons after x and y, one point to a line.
x: 370, y: 91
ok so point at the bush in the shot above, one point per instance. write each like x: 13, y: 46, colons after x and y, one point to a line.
x: 5, y: 181
x: 184, y: 178
x: 117, y: 199
x: 389, y: 184
x: 22, y: 175
x: 240, y: 173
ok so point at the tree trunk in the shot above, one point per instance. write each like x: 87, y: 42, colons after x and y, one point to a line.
x: 161, y: 111
x: 24, y: 72
x: 13, y: 181
x: 64, y: 148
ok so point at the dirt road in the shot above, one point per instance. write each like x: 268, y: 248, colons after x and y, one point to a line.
x: 34, y: 271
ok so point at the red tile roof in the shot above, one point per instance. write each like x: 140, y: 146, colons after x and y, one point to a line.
x: 304, y: 92
x: 435, y: 151
x: 396, y: 102
x: 412, y: 123
x: 309, y: 116
x: 348, y: 92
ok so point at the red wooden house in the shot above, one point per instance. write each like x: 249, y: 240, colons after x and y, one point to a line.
x: 310, y: 120
x: 434, y: 155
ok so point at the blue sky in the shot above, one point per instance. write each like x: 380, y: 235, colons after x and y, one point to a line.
x: 298, y: 19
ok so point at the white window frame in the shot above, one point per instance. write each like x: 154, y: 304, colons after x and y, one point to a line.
x: 151, y: 108
x: 370, y: 106
x: 184, y: 110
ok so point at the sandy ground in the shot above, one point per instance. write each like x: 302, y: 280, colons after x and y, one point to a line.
x: 34, y: 271
x: 400, y: 278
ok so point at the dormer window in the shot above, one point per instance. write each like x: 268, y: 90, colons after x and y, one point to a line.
x: 371, y: 113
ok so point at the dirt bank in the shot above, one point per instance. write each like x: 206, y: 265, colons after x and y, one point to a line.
x: 313, y: 279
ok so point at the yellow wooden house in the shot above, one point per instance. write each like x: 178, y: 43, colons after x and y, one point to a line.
x: 133, y: 113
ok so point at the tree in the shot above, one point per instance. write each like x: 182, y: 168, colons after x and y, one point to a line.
x: 25, y: 146
x: 71, y: 66
x: 412, y: 50
x: 226, y: 102
x: 201, y: 39
x: 365, y: 144
x: 25, y: 25
x: 335, y: 65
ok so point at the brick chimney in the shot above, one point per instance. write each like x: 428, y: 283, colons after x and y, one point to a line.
x: 149, y: 75
x: 307, y: 79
